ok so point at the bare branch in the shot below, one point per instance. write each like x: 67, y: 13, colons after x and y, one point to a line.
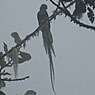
x: 19, y: 79
x: 5, y: 73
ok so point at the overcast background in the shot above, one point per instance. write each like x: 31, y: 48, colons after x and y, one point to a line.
x: 75, y: 51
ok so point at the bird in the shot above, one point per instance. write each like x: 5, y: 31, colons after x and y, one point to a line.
x: 42, y: 15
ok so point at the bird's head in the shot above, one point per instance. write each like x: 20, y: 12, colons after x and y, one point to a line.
x: 43, y: 6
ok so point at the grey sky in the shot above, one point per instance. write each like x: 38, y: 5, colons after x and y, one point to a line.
x: 74, y: 46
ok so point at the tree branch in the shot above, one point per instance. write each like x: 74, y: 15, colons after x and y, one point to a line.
x: 4, y: 73
x: 19, y: 79
x: 36, y: 30
x: 73, y: 18
x: 50, y: 18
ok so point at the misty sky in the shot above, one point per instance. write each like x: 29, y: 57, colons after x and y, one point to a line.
x: 75, y: 51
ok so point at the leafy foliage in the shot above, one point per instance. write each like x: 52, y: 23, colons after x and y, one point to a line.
x: 15, y: 56
x: 30, y: 92
x: 82, y: 7
x: 61, y: 7
x: 90, y: 15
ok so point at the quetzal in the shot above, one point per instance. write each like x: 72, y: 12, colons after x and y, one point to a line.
x: 42, y: 15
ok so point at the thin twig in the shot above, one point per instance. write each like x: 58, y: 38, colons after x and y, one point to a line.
x: 4, y: 73
x: 19, y: 79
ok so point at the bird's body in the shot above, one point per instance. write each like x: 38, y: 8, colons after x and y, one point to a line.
x: 46, y: 33
x: 47, y: 38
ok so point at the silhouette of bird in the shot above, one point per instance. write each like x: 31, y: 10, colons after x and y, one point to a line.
x: 42, y: 15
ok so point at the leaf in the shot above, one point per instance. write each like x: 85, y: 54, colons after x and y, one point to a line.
x: 5, y: 47
x: 2, y: 61
x: 2, y: 93
x: 6, y: 50
x: 80, y: 8
x: 30, y: 92
x: 16, y: 37
x: 24, y: 57
x: 90, y: 15
x: 2, y: 84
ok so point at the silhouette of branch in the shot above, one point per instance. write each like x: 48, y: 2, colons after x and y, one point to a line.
x: 36, y: 30
x: 72, y: 18
x: 19, y: 79
x: 5, y: 73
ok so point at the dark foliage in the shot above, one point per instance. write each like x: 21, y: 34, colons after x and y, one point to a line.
x: 84, y: 7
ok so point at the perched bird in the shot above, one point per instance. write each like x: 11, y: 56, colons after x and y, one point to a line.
x: 42, y: 15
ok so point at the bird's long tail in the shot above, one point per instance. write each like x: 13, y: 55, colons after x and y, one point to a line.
x: 48, y: 45
x: 48, y: 40
x: 52, y: 74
